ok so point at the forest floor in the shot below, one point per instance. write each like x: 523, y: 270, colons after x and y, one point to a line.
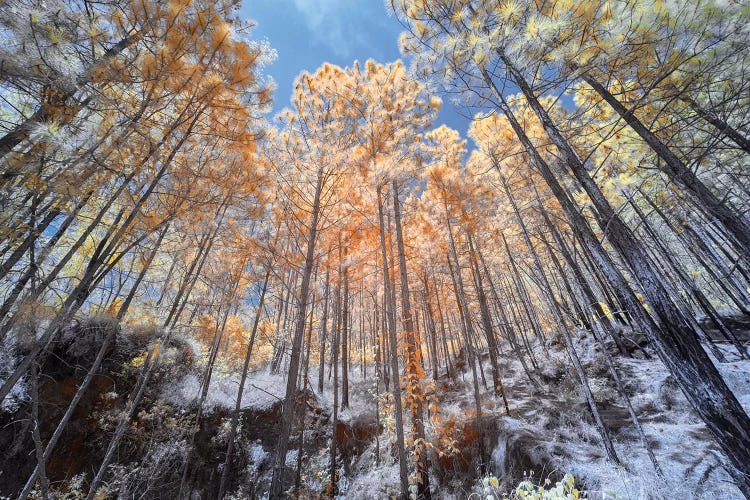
x: 549, y: 431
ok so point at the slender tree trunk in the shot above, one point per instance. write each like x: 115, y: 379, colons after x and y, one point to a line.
x: 52, y: 275
x: 287, y: 417
x: 324, y: 333
x: 508, y: 326
x: 631, y: 411
x: 334, y: 474
x: 32, y: 238
x: 390, y: 312
x: 122, y: 425
x: 443, y: 334
x: 207, y: 376
x: 413, y: 361
x: 303, y: 403
x: 41, y: 470
x: 690, y: 286
x: 241, y: 390
x: 606, y: 441
x: 103, y: 349
x: 484, y: 312
x: 430, y: 325
x: 678, y: 348
x: 525, y: 300
x: 152, y: 357
x: 580, y: 278
x: 724, y: 128
x: 345, y: 339
x: 457, y: 287
x: 679, y: 173
x: 282, y: 334
x: 702, y: 250
x: 278, y: 331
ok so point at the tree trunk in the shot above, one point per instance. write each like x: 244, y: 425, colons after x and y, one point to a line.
x: 484, y: 313
x: 430, y: 327
x: 287, y: 417
x: 324, y: 333
x: 334, y: 474
x: 721, y: 126
x: 345, y: 339
x: 460, y: 301
x: 241, y: 390
x: 678, y: 348
x: 413, y: 361
x: 679, y: 173
x: 390, y: 312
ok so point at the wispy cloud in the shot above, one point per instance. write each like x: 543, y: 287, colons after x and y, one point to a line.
x: 341, y: 25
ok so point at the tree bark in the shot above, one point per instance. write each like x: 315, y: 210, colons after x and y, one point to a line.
x: 241, y: 390
x: 279, y: 462
x: 679, y: 173
x: 324, y: 333
x: 345, y: 339
x: 677, y: 346
x: 390, y: 312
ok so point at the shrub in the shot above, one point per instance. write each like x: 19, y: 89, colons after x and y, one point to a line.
x: 528, y: 489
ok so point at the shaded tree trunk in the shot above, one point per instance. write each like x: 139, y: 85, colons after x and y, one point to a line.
x: 390, y: 312
x: 288, y: 412
x: 677, y: 346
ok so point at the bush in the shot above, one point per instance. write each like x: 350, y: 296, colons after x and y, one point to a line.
x: 528, y: 490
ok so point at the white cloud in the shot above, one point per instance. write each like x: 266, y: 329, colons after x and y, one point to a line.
x: 340, y: 25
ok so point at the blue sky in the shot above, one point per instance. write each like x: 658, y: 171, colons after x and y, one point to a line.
x: 307, y: 33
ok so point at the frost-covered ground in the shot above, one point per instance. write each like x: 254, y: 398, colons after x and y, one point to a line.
x: 552, y: 425
x: 262, y: 390
x: 549, y: 431
x: 560, y: 419
x: 690, y: 460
